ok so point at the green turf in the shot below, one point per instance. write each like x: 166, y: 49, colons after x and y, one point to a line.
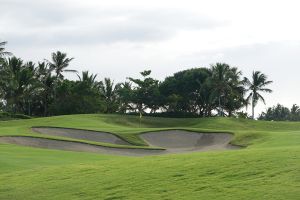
x: 269, y: 168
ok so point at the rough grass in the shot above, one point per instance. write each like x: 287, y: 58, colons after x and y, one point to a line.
x: 269, y: 168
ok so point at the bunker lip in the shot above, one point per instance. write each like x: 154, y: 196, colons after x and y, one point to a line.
x: 173, y: 141
x: 48, y: 143
x: 82, y: 134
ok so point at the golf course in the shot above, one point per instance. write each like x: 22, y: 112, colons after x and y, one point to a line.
x: 149, y: 100
x: 110, y: 156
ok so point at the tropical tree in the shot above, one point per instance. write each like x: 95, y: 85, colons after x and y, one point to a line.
x: 234, y: 98
x: 125, y: 93
x: 277, y: 113
x: 47, y: 84
x: 188, y: 92
x: 295, y: 113
x: 30, y: 86
x: 281, y: 113
x: 256, y: 86
x: 89, y: 79
x: 223, y: 79
x: 59, y: 62
x: 145, y: 92
x: 17, y: 83
x: 3, y: 53
x: 74, y: 97
x: 109, y: 93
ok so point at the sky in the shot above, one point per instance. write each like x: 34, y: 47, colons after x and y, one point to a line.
x: 120, y: 38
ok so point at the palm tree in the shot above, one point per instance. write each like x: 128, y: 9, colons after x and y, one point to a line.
x: 295, y: 109
x: 222, y: 75
x: 235, y: 96
x: 124, y: 93
x: 89, y: 79
x: 10, y: 73
x: 109, y: 92
x: 59, y: 62
x: 3, y: 53
x: 18, y: 83
x: 257, y: 85
x: 295, y: 113
x: 47, y: 84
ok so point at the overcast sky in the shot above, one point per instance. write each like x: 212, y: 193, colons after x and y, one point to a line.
x: 120, y: 38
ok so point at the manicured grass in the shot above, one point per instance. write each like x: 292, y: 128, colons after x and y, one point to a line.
x: 269, y: 168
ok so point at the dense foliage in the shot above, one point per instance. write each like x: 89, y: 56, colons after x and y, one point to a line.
x: 281, y: 113
x: 40, y: 89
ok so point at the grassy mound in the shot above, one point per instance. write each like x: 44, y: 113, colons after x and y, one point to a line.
x: 267, y: 169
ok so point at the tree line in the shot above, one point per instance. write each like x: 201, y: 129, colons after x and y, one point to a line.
x: 281, y: 113
x: 40, y: 89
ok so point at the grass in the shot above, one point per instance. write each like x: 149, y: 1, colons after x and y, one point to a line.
x: 269, y: 168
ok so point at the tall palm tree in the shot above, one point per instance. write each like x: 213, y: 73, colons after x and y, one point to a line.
x: 255, y: 86
x: 47, y: 84
x: 59, y: 62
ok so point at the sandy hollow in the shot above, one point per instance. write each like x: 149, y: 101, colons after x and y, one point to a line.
x: 174, y: 141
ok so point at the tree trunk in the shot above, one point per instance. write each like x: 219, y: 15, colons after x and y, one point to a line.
x: 220, y: 106
x: 45, y: 110
x: 46, y: 105
x: 29, y: 107
x: 252, y: 108
x: 229, y: 113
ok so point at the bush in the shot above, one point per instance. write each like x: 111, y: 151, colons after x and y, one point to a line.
x: 10, y: 116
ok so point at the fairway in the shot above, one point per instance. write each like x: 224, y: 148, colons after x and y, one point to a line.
x: 268, y: 166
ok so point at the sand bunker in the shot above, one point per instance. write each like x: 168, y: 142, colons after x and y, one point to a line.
x: 173, y: 141
x: 75, y: 146
x: 82, y: 134
x: 182, y: 141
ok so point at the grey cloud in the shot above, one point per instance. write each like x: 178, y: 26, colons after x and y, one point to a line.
x: 53, y: 23
x: 35, y: 13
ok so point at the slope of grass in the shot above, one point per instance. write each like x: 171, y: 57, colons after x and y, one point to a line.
x: 269, y: 168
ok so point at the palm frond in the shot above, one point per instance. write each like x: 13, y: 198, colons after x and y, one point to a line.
x: 261, y: 98
x: 266, y: 90
x: 71, y: 70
